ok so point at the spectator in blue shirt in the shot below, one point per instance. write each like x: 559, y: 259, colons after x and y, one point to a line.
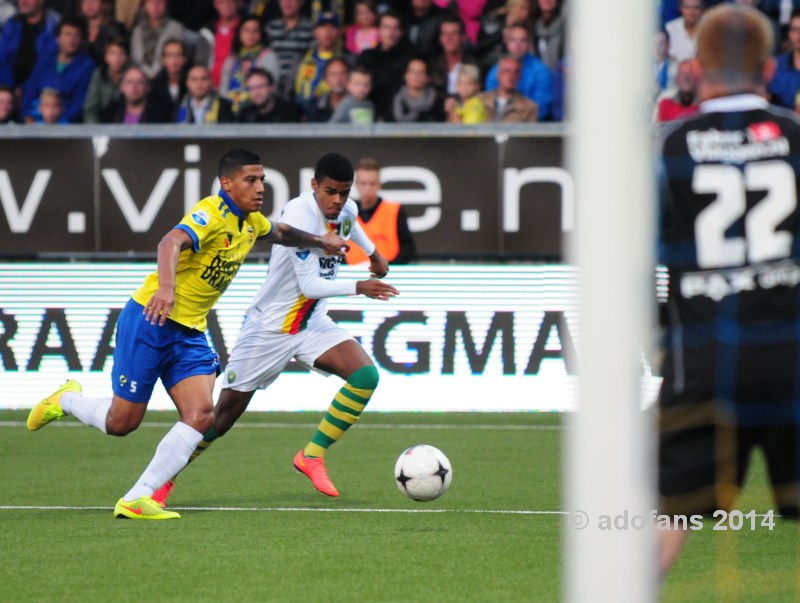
x: 69, y: 71
x: 667, y: 11
x: 26, y: 36
x: 785, y: 84
x: 559, y: 90
x: 536, y: 81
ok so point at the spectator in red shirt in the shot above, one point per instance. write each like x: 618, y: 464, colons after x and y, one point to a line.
x: 681, y: 100
x: 220, y: 34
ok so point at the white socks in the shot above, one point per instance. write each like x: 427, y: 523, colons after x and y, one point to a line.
x: 172, y: 453
x: 90, y: 411
x: 171, y: 456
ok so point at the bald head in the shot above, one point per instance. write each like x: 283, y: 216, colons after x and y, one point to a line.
x: 733, y: 46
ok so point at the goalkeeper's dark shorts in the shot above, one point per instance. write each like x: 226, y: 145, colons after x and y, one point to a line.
x: 705, y: 447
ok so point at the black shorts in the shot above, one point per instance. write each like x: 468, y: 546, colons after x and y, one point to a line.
x: 704, y: 450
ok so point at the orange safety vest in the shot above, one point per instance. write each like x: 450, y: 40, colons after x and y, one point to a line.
x: 382, y: 230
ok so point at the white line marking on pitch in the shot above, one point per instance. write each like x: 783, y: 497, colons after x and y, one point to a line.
x: 291, y: 509
x: 314, y: 425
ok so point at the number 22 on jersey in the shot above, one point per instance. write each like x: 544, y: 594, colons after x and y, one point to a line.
x: 761, y: 241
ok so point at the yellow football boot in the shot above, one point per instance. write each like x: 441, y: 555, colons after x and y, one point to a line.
x: 49, y: 409
x: 142, y: 508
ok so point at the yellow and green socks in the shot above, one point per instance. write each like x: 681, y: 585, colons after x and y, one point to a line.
x: 344, y: 411
x: 208, y: 438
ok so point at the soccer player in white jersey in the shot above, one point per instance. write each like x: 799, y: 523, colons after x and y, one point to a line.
x: 288, y: 319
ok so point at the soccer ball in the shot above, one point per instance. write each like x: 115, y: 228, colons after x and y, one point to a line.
x: 423, y: 473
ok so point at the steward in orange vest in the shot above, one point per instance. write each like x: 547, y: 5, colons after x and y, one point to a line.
x: 387, y: 226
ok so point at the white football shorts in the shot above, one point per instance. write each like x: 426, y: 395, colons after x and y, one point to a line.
x: 259, y: 356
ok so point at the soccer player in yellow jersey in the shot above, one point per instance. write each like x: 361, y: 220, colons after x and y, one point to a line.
x: 161, y: 330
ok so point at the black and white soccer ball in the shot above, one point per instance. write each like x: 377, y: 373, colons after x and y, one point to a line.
x: 423, y: 473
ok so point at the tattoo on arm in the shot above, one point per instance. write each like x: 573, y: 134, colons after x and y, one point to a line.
x: 292, y: 237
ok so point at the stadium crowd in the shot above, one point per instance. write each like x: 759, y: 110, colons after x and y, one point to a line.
x: 344, y: 61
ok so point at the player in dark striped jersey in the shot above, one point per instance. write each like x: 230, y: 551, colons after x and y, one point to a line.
x: 730, y: 239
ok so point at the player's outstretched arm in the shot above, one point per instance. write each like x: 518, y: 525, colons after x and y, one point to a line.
x: 160, y: 305
x: 283, y: 234
x: 311, y: 285
x: 378, y: 265
x: 376, y: 289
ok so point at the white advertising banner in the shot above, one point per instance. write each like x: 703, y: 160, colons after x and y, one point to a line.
x: 458, y: 338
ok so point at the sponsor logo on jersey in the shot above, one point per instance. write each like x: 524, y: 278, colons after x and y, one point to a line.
x: 737, y: 146
x: 329, y: 263
x: 302, y: 254
x: 763, y: 132
x: 347, y: 226
x: 223, y: 267
x: 251, y: 234
x: 328, y: 266
x: 718, y: 284
x: 200, y: 218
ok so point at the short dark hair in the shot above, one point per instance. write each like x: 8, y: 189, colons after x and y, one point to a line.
x: 132, y: 67
x: 391, y: 14
x: 334, y: 61
x: 334, y: 166
x: 453, y: 18
x: 236, y: 159
x: 362, y: 69
x: 73, y: 22
x: 171, y: 41
x: 262, y: 72
x: 120, y: 42
x: 421, y: 59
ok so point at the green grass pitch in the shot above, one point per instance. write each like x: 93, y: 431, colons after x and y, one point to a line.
x: 255, y: 530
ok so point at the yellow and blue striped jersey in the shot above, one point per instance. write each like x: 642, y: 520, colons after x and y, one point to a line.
x: 222, y: 236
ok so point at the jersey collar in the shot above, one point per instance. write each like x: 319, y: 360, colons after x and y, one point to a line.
x: 232, y: 207
x: 736, y: 102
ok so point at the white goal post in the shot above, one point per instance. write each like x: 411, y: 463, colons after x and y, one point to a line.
x: 609, y: 457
